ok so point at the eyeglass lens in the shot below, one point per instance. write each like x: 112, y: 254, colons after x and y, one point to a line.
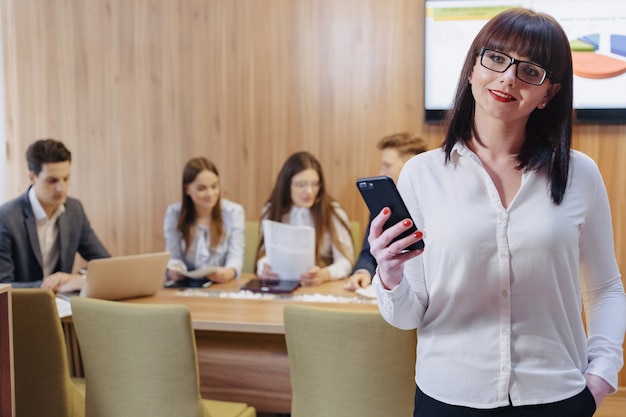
x: 526, y: 71
x: 305, y: 184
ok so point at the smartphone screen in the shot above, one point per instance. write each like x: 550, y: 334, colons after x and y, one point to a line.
x: 380, y: 192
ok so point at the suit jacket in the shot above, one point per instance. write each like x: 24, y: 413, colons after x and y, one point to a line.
x: 366, y: 259
x: 20, y: 253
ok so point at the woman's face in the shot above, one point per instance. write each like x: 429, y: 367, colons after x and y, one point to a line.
x: 504, y: 96
x: 305, y: 186
x: 204, y: 190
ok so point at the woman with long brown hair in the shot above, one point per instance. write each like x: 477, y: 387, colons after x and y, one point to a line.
x: 204, y: 230
x: 299, y: 198
x: 517, y: 227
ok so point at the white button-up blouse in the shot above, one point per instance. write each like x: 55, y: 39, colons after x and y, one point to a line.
x: 497, y: 295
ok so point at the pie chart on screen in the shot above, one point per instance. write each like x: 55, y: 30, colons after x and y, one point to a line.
x: 588, y: 62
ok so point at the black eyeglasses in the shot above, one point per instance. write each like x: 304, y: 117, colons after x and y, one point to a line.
x: 525, y: 71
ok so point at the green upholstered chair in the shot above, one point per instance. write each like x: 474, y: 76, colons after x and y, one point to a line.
x: 251, y: 246
x: 348, y: 363
x: 43, y: 386
x: 141, y: 360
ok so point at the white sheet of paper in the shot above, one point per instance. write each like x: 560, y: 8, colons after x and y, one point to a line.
x: 63, y: 307
x: 200, y: 273
x: 290, y: 250
x: 368, y: 292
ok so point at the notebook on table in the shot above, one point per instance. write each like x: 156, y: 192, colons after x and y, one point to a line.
x: 122, y: 277
x: 271, y: 286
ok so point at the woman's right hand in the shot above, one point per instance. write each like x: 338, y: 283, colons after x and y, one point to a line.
x: 360, y: 279
x: 268, y: 273
x: 390, y: 256
x: 174, y: 273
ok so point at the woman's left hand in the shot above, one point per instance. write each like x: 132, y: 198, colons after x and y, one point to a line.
x: 314, y: 276
x: 222, y: 275
x: 388, y: 254
x: 599, y: 388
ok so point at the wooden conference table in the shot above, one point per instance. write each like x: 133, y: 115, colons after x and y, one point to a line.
x: 242, y: 353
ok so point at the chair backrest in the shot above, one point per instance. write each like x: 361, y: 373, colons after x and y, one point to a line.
x: 42, y: 378
x: 139, y: 359
x: 251, y: 246
x: 348, y: 363
x: 357, y: 238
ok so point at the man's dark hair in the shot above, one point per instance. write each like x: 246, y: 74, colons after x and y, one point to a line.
x: 45, y: 151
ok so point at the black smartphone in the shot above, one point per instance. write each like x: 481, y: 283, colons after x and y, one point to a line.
x: 380, y: 192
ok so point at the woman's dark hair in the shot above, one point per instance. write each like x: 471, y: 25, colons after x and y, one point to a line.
x: 322, y: 210
x: 187, y: 217
x: 539, y: 38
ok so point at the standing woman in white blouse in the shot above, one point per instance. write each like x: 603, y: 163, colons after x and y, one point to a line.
x: 299, y: 198
x: 518, y: 237
x: 204, y: 230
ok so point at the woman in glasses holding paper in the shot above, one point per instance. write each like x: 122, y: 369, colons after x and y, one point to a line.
x: 204, y: 233
x: 518, y: 235
x: 299, y: 198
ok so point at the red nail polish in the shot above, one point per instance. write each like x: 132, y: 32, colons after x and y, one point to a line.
x: 385, y: 211
x: 407, y: 223
x: 418, y: 235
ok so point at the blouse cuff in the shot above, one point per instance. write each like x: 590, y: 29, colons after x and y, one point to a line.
x: 606, y: 370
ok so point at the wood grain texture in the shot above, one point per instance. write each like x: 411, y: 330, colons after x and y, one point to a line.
x: 137, y: 87
x: 613, y: 405
x: 249, y: 367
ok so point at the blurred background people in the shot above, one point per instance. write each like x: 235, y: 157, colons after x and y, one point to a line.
x: 204, y: 230
x: 299, y: 198
x: 42, y: 230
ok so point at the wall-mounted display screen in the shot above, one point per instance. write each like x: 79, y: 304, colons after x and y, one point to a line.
x: 596, y: 30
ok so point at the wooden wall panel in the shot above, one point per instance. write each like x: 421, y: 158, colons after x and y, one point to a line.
x: 137, y: 87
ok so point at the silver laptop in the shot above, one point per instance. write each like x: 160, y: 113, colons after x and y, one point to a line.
x: 122, y: 277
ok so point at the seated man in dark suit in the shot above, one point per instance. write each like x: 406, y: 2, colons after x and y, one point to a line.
x: 41, y: 230
x: 395, y: 150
